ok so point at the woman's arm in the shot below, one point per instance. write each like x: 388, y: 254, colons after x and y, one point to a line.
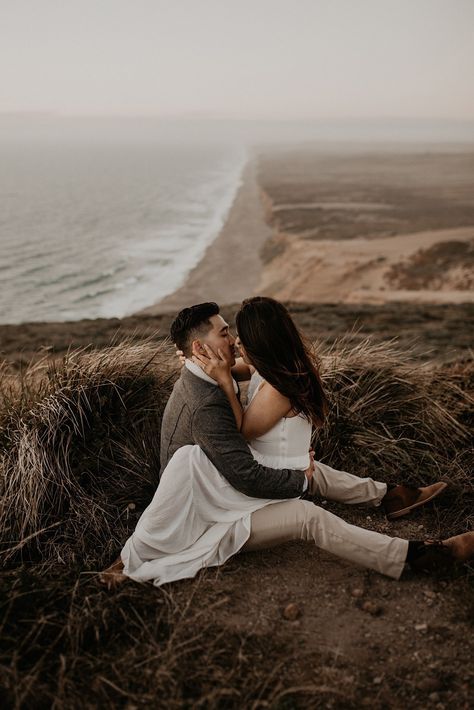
x: 228, y: 389
x: 266, y: 408
x: 217, y: 367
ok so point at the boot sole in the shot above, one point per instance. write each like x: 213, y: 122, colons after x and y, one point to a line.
x: 408, y: 509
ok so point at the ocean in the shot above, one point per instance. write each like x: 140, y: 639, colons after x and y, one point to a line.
x: 104, y: 229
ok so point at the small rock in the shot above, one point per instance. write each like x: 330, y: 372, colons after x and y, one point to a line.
x: 291, y: 612
x: 131, y: 506
x: 357, y: 592
x: 372, y: 608
x: 429, y: 594
x: 421, y: 627
x: 377, y: 680
x: 429, y: 684
x: 434, y: 697
x: 401, y: 629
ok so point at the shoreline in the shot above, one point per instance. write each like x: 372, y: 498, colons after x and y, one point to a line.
x: 215, y: 277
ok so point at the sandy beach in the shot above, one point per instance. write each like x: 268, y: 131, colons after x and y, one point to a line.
x: 231, y: 267
x: 367, y: 227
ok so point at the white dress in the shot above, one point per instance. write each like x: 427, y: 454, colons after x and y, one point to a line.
x: 196, y: 518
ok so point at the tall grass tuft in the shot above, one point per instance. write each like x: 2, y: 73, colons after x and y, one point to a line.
x: 80, y: 450
x: 398, y: 420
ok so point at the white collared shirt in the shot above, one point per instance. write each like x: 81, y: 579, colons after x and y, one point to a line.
x: 199, y: 372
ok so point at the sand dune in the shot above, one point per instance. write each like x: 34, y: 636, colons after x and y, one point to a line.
x: 364, y: 270
x: 369, y: 227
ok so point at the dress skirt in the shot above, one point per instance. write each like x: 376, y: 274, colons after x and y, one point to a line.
x: 196, y: 519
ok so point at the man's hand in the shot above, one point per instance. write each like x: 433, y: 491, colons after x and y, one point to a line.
x: 310, y: 470
x: 215, y: 365
x: 181, y: 356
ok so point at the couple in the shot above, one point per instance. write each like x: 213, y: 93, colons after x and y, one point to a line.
x: 233, y: 479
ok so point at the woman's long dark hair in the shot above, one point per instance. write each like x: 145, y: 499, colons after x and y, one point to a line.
x: 283, y: 357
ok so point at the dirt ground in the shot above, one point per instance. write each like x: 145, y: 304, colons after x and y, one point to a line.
x: 354, y: 639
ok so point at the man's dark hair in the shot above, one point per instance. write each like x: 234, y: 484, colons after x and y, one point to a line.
x: 190, y: 323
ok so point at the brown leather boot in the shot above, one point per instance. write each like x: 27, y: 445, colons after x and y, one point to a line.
x: 439, y: 556
x: 461, y: 546
x: 402, y: 499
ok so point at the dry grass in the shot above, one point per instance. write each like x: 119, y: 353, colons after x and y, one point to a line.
x: 400, y: 419
x: 80, y: 444
x: 80, y: 449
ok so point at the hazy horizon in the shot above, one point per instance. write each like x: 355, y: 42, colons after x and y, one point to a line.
x: 256, y: 60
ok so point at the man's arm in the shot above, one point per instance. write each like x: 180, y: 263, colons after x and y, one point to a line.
x: 214, y: 430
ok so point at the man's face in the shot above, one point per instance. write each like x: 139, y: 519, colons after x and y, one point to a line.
x: 219, y: 336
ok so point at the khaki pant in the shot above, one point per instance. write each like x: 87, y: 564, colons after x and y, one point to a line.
x: 302, y: 520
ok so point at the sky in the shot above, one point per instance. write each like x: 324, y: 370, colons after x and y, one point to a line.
x: 239, y: 59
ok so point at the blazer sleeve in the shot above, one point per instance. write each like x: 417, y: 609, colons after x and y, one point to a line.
x: 214, y: 430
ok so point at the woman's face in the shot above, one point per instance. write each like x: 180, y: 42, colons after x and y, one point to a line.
x: 243, y: 354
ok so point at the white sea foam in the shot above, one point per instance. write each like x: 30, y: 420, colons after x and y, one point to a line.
x: 88, y: 234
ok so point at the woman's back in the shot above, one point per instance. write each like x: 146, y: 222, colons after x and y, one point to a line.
x: 285, y: 445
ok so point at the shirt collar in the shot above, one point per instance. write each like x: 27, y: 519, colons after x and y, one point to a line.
x: 199, y: 372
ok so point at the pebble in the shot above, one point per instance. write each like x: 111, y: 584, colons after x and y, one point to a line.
x: 131, y: 506
x: 372, y: 608
x: 377, y: 680
x: 429, y: 594
x: 421, y: 627
x: 429, y: 684
x: 434, y: 697
x: 291, y: 612
x: 357, y: 592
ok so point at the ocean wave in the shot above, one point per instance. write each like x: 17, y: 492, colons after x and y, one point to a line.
x: 117, y: 249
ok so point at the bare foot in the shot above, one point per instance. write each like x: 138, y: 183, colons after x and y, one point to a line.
x: 113, y: 575
x: 461, y: 546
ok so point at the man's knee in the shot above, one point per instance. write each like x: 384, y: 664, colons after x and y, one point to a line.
x: 278, y: 523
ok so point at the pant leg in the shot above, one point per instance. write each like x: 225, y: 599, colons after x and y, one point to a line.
x: 344, y: 487
x: 302, y: 520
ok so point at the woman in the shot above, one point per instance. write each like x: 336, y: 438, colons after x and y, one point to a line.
x: 197, y: 519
